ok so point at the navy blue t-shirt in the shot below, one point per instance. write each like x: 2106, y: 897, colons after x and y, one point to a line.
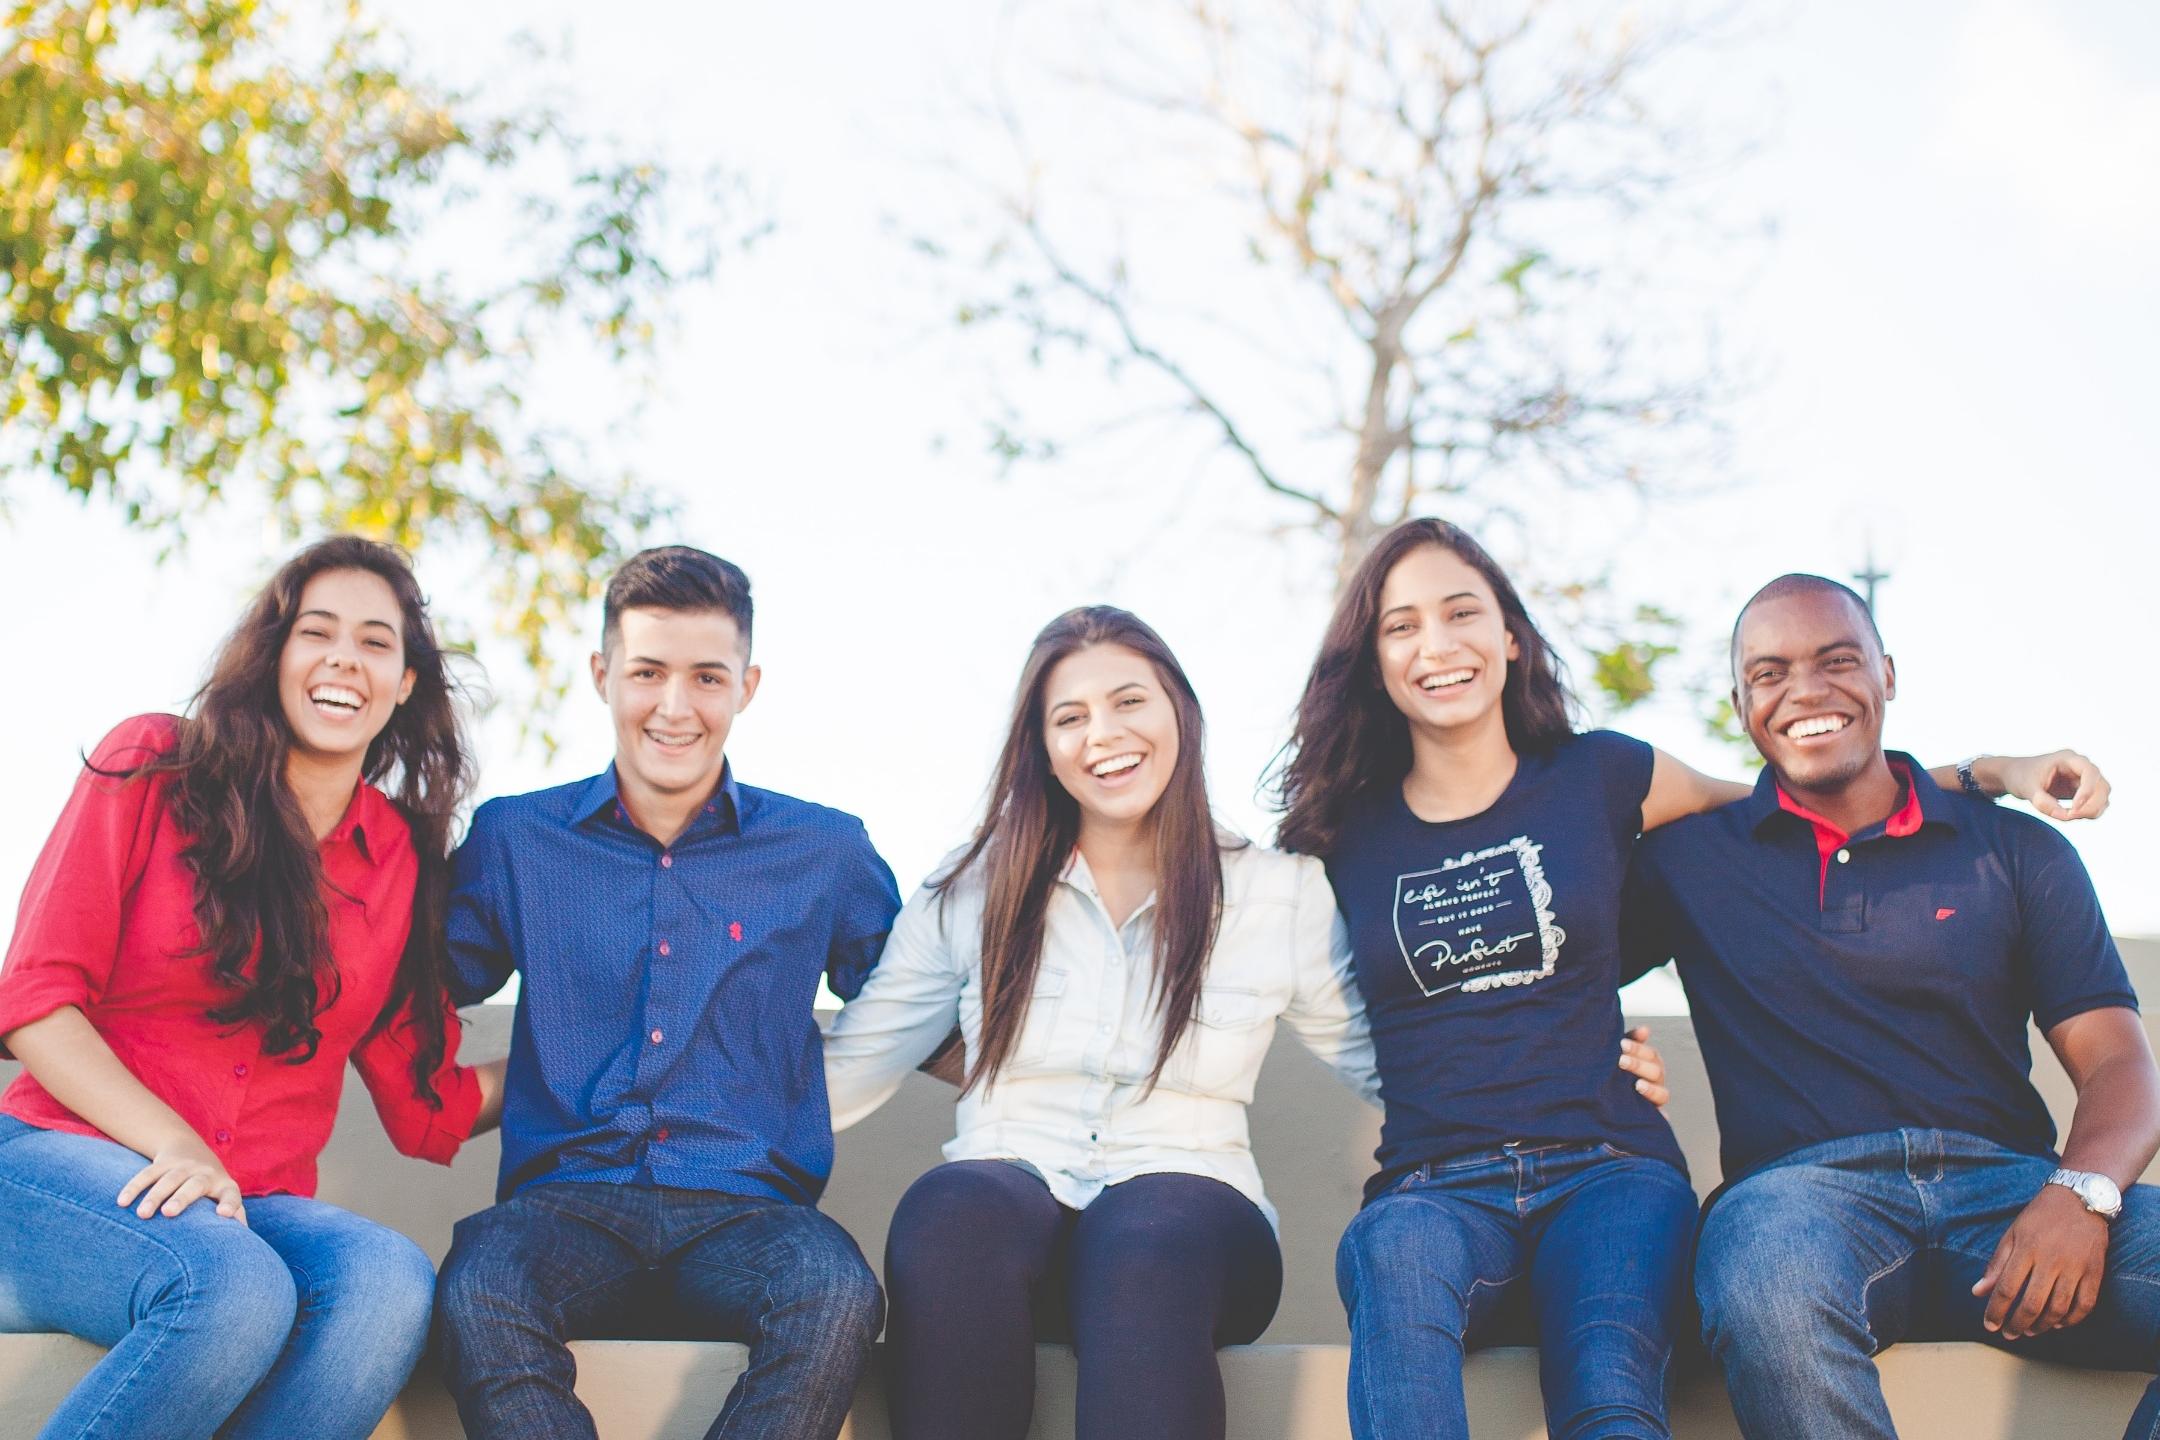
x: 1488, y: 952
x: 1897, y: 995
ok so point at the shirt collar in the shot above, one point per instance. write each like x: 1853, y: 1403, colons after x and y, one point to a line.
x: 1924, y: 802
x: 600, y: 797
x: 363, y: 811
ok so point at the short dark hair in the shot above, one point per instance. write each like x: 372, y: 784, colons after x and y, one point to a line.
x: 676, y: 577
x: 1799, y: 583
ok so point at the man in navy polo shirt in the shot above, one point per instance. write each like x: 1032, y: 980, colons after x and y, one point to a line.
x: 1862, y: 951
x: 665, y: 1132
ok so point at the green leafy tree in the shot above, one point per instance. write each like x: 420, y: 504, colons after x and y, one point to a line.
x: 230, y: 264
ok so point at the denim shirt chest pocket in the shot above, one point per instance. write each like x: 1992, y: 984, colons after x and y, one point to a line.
x: 1227, y: 1039
x: 1035, y: 1048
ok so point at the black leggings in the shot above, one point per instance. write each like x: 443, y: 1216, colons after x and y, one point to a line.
x: 1145, y: 1283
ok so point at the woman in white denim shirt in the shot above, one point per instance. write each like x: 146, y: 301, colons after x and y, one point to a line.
x: 1101, y: 1187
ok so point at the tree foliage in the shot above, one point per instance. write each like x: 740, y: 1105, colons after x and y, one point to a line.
x: 231, y: 262
x: 1431, y: 200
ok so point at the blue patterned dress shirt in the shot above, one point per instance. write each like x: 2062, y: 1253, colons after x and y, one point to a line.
x: 664, y: 1031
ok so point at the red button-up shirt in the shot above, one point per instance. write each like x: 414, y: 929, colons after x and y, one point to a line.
x: 107, y: 925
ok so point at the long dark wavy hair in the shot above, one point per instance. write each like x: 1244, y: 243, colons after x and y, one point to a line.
x: 258, y: 870
x: 1031, y: 824
x: 1350, y: 740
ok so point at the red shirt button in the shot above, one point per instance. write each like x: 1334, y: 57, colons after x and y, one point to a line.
x: 666, y: 861
x: 223, y: 1137
x: 239, y: 1072
x: 656, y: 1037
x: 663, y: 947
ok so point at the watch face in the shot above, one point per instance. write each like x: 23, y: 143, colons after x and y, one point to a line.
x: 2100, y: 1195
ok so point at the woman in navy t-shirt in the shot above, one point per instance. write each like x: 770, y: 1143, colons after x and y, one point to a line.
x: 1477, y: 846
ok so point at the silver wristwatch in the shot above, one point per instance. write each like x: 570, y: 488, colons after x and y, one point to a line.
x: 2097, y: 1191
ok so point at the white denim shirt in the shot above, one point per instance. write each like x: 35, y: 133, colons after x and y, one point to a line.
x: 1071, y: 1100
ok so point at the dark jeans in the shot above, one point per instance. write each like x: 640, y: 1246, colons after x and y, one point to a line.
x: 1811, y: 1265
x: 567, y: 1261
x: 1585, y: 1244
x: 1145, y: 1282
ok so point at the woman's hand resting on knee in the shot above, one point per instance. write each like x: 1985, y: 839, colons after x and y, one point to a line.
x: 179, y: 1174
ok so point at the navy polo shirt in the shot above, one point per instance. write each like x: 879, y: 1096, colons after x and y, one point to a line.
x: 1882, y: 980
x: 1487, y: 950
x: 664, y: 1031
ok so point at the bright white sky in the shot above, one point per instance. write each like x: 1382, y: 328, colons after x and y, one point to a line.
x: 1953, y: 320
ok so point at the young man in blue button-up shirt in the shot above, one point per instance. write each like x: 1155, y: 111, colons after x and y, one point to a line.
x: 665, y: 1131
x: 1862, y: 953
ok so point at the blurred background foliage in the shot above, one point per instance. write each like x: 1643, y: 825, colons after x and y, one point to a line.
x: 231, y: 259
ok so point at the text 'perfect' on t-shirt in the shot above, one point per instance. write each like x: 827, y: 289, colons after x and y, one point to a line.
x: 1488, y: 952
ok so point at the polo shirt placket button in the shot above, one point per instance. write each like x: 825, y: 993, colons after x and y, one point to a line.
x: 1843, y: 856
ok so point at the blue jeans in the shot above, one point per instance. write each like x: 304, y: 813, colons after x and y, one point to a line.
x: 569, y: 1260
x: 1586, y: 1244
x: 304, y: 1321
x: 1811, y: 1265
x: 1145, y: 1282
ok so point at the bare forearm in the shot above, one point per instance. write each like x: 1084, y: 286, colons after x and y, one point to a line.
x: 490, y: 1077
x: 2116, y: 1129
x: 65, y: 1054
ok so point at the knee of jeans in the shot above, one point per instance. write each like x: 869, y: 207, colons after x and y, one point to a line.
x: 827, y: 1280
x: 380, y: 1280
x: 1402, y: 1251
x: 481, y: 1286
x: 230, y: 1283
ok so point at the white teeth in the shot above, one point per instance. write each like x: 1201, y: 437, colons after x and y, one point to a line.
x: 1115, y: 765
x: 336, y: 695
x: 672, y: 742
x: 1815, y: 725
x: 1452, y: 677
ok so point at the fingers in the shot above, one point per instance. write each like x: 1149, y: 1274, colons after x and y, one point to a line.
x: 1641, y: 1059
x: 167, y: 1187
x: 189, y: 1190
x: 2083, y: 1298
x: 2074, y: 788
x: 2024, y: 1318
x: 136, y: 1183
x: 1990, y: 1283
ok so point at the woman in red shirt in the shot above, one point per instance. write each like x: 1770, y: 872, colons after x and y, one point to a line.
x: 229, y: 908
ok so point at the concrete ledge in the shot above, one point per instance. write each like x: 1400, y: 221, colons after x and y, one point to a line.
x: 671, y: 1389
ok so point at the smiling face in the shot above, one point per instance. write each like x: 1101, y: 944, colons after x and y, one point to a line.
x: 1111, y: 732
x: 1811, y: 681
x: 674, y: 681
x: 341, y: 673
x: 1443, y: 644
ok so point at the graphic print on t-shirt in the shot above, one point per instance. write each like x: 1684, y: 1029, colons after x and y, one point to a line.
x: 1480, y: 921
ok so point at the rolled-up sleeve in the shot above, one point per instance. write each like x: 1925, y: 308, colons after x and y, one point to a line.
x: 863, y: 913
x: 416, y: 1127
x: 67, y: 931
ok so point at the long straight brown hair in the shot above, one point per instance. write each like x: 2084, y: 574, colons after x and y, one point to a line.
x: 1350, y: 740
x: 1030, y: 825
x: 258, y: 871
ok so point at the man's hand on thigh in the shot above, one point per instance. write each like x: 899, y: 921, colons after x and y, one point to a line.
x: 2046, y: 1271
